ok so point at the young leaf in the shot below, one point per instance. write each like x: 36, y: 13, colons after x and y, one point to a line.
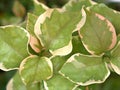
x: 34, y: 42
x: 31, y: 20
x: 13, y: 46
x: 85, y: 69
x: 34, y: 69
x: 39, y: 8
x: 112, y: 15
x: 59, y: 82
x: 76, y: 5
x: 55, y: 32
x: 115, y: 58
x: 97, y: 40
x: 16, y: 84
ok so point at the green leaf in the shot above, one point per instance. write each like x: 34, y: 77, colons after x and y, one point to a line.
x: 39, y: 8
x: 76, y: 5
x: 115, y: 58
x: 58, y: 62
x: 13, y: 46
x: 34, y: 69
x: 34, y: 42
x: 55, y: 32
x: 16, y: 84
x: 118, y: 38
x: 59, y: 82
x: 97, y: 40
x: 31, y: 20
x: 85, y: 69
x: 78, y: 46
x: 110, y: 14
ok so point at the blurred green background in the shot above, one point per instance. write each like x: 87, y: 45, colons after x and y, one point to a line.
x: 15, y: 11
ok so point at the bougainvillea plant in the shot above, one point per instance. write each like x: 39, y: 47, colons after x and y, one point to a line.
x: 62, y: 48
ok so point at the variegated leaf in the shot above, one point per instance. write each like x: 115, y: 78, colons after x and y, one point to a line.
x: 13, y: 46
x: 112, y: 15
x: 34, y: 42
x: 115, y: 58
x: 35, y: 69
x: 16, y: 84
x: 85, y: 69
x: 39, y: 8
x: 54, y: 29
x: 59, y: 82
x: 76, y: 5
x: 97, y: 40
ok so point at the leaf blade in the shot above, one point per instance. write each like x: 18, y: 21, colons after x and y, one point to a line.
x: 42, y: 69
x: 109, y: 13
x: 76, y: 5
x: 13, y: 49
x: 93, y: 37
x: 16, y: 84
x: 115, y: 58
x: 34, y: 42
x: 58, y: 37
x: 61, y: 84
x: 85, y: 69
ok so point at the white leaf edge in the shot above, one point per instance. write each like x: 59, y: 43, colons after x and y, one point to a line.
x: 10, y: 85
x: 2, y: 67
x: 44, y: 6
x: 40, y: 20
x: 82, y: 21
x: 62, y: 51
x: 89, y: 82
x: 33, y: 56
x: 45, y: 85
x: 115, y: 68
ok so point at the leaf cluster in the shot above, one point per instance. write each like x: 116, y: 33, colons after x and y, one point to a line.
x: 62, y: 48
